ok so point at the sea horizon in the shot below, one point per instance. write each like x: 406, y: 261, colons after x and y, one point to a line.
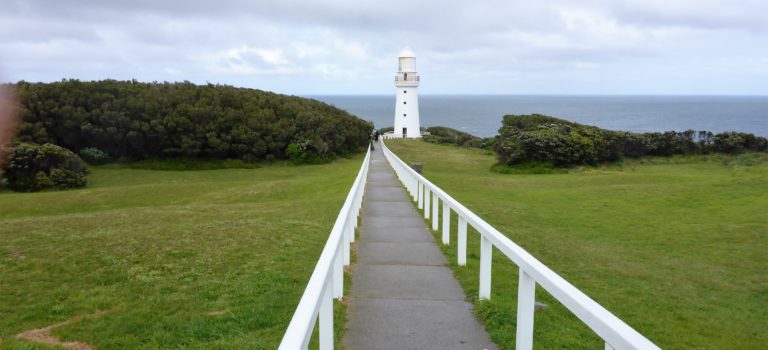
x: 481, y: 114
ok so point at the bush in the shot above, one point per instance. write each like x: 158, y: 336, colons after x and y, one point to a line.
x: 136, y: 121
x: 303, y: 151
x: 441, y: 134
x: 445, y: 135
x: 542, y: 139
x: 35, y: 167
x: 738, y: 142
x: 93, y: 155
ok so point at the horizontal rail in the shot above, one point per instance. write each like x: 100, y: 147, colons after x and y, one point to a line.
x: 615, y: 333
x: 327, y: 279
x: 407, y: 78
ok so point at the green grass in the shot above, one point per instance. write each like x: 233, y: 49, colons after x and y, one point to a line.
x: 161, y: 249
x: 676, y: 247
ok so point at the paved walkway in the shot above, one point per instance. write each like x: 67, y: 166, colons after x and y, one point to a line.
x: 403, y: 296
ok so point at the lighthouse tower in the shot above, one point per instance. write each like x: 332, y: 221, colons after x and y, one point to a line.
x: 407, y: 100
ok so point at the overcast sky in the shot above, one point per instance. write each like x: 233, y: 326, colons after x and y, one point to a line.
x: 351, y: 46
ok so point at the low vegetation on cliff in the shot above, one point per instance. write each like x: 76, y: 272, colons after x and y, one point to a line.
x: 561, y: 143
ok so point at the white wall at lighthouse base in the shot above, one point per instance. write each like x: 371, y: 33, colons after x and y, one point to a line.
x: 407, y: 112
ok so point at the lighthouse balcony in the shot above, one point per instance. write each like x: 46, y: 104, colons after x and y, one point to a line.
x: 406, y: 81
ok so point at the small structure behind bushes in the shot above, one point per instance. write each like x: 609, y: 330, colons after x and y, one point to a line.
x: 541, y: 139
x: 33, y: 167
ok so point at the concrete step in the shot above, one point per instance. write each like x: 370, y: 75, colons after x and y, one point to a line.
x: 399, y: 235
x: 393, y: 222
x: 400, y: 253
x: 405, y: 282
x: 389, y: 209
x: 414, y: 324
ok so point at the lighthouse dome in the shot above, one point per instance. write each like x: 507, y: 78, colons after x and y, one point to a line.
x: 407, y: 53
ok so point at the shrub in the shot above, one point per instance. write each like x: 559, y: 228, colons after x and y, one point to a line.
x: 136, y: 121
x: 93, y: 155
x: 738, y: 142
x: 35, y: 167
x: 542, y: 139
x: 303, y: 151
x: 445, y: 135
x: 441, y: 134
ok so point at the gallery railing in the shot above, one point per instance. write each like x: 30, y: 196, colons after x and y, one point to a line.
x: 615, y: 333
x: 327, y: 280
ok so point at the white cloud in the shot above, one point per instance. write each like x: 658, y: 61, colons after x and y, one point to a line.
x: 247, y: 60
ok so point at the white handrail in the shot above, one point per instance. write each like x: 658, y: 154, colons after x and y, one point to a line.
x: 327, y: 280
x: 615, y: 333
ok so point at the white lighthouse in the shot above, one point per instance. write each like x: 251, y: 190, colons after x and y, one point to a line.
x: 407, y: 100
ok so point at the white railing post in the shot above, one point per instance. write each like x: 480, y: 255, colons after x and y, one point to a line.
x: 426, y: 202
x: 421, y: 195
x: 446, y: 223
x: 462, y: 255
x: 357, y: 210
x: 435, y: 208
x: 486, y: 249
x: 338, y: 273
x: 326, y: 319
x: 351, y: 223
x: 526, y: 300
x: 345, y: 239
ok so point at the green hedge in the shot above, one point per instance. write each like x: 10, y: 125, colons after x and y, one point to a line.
x: 34, y: 167
x: 543, y: 139
x: 132, y: 120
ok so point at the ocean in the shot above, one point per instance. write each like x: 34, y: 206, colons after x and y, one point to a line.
x: 481, y: 115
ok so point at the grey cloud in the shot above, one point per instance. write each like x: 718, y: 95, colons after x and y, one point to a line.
x: 350, y: 46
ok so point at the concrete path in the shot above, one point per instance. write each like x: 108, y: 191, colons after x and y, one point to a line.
x: 403, y: 296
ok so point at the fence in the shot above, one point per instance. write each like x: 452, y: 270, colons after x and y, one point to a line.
x: 327, y: 280
x: 615, y: 333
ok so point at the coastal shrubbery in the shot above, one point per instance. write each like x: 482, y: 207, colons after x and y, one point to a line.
x: 34, y: 167
x: 445, y: 135
x: 128, y: 120
x: 542, y: 139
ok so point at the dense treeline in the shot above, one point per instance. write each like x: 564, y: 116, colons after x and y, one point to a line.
x: 133, y: 120
x: 543, y: 139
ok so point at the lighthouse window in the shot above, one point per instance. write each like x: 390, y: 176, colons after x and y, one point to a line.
x: 405, y: 91
x: 403, y: 114
x: 404, y: 102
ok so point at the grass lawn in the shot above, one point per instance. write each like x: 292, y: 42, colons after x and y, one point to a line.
x: 676, y: 247
x: 213, y: 259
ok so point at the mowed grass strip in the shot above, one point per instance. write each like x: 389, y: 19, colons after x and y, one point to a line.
x: 675, y: 247
x: 177, y: 259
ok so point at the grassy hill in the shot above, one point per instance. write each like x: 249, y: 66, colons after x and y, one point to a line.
x: 676, y: 247
x: 173, y: 259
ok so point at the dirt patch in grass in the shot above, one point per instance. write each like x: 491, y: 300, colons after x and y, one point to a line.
x: 42, y: 336
x: 216, y: 313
